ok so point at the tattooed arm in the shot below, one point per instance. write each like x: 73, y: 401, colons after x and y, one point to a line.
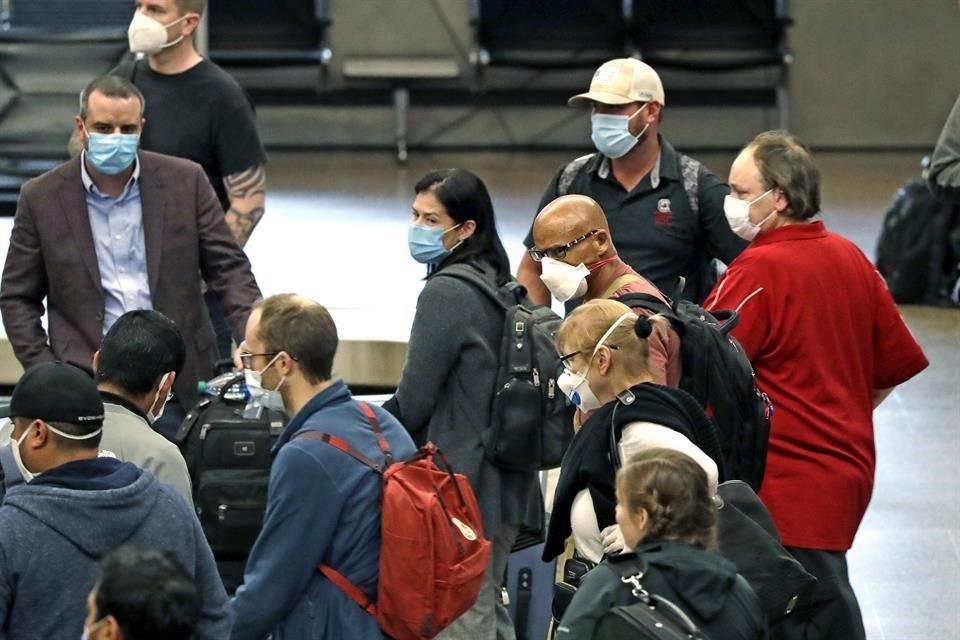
x: 247, y: 193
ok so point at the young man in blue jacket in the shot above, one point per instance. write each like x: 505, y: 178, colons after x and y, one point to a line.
x: 73, y: 507
x: 323, y: 505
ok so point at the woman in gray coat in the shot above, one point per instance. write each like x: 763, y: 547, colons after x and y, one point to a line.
x: 449, y: 380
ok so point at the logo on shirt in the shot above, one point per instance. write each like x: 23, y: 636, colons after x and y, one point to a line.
x: 663, y: 217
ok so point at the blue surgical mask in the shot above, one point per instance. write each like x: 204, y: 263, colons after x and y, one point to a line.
x: 426, y: 243
x: 112, y: 153
x: 611, y: 133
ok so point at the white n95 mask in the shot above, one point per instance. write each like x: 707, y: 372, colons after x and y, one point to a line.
x: 738, y: 216
x: 576, y: 387
x: 564, y: 281
x: 146, y: 35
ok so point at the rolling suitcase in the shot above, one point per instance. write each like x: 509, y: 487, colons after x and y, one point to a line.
x: 529, y: 585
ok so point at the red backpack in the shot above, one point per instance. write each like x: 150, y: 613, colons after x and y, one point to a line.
x: 433, y: 555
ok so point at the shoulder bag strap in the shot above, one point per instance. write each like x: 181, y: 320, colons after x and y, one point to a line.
x: 631, y: 574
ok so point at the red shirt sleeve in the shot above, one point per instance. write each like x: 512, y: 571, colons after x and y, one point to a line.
x: 897, y: 355
x: 740, y: 290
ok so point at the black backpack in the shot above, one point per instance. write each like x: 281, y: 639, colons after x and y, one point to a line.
x: 918, y: 252
x: 227, y: 448
x: 650, y: 617
x: 718, y: 374
x: 532, y: 421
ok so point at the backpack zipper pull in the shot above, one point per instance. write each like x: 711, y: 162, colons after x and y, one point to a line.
x: 536, y: 377
x: 551, y: 389
x: 518, y: 330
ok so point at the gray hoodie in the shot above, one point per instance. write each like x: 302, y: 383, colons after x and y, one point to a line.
x: 55, y: 529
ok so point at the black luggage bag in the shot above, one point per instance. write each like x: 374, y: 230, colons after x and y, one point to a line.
x: 226, y: 444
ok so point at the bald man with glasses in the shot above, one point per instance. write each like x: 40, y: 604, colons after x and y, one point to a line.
x: 579, y: 262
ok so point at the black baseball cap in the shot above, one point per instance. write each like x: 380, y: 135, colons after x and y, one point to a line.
x: 56, y: 392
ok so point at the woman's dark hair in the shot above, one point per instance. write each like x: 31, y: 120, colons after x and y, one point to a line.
x: 148, y: 593
x: 465, y: 197
x: 673, y: 489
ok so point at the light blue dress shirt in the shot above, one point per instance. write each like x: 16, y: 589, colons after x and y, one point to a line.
x: 117, y: 226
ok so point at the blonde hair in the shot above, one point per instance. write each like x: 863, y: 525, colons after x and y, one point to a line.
x: 585, y: 326
x: 673, y: 489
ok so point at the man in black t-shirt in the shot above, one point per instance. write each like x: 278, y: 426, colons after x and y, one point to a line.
x: 665, y: 209
x: 196, y: 110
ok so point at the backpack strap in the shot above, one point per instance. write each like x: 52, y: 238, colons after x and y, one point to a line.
x: 690, y: 169
x: 649, y: 302
x: 344, y: 446
x: 569, y: 173
x: 620, y: 283
x: 351, y: 590
x: 467, y: 273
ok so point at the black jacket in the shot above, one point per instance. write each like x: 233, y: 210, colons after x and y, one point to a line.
x: 590, y: 463
x: 703, y: 584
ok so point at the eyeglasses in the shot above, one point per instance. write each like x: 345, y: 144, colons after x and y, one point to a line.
x: 246, y: 358
x: 565, y: 358
x: 559, y: 252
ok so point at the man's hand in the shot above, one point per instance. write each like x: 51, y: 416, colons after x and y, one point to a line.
x: 528, y: 274
x: 247, y: 193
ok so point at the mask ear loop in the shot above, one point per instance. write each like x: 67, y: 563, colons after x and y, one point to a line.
x: 603, y: 339
x: 644, y: 130
x: 156, y: 398
x: 613, y: 327
x: 771, y: 214
x: 456, y: 226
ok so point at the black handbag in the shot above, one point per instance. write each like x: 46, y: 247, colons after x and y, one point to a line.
x: 651, y: 617
x: 747, y: 536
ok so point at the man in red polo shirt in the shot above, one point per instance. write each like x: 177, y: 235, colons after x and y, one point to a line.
x: 828, y: 345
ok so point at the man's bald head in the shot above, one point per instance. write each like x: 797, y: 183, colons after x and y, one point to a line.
x: 568, y: 218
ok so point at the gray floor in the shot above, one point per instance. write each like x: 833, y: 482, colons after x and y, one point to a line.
x: 336, y: 230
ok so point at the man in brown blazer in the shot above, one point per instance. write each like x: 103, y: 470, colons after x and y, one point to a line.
x: 117, y: 229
